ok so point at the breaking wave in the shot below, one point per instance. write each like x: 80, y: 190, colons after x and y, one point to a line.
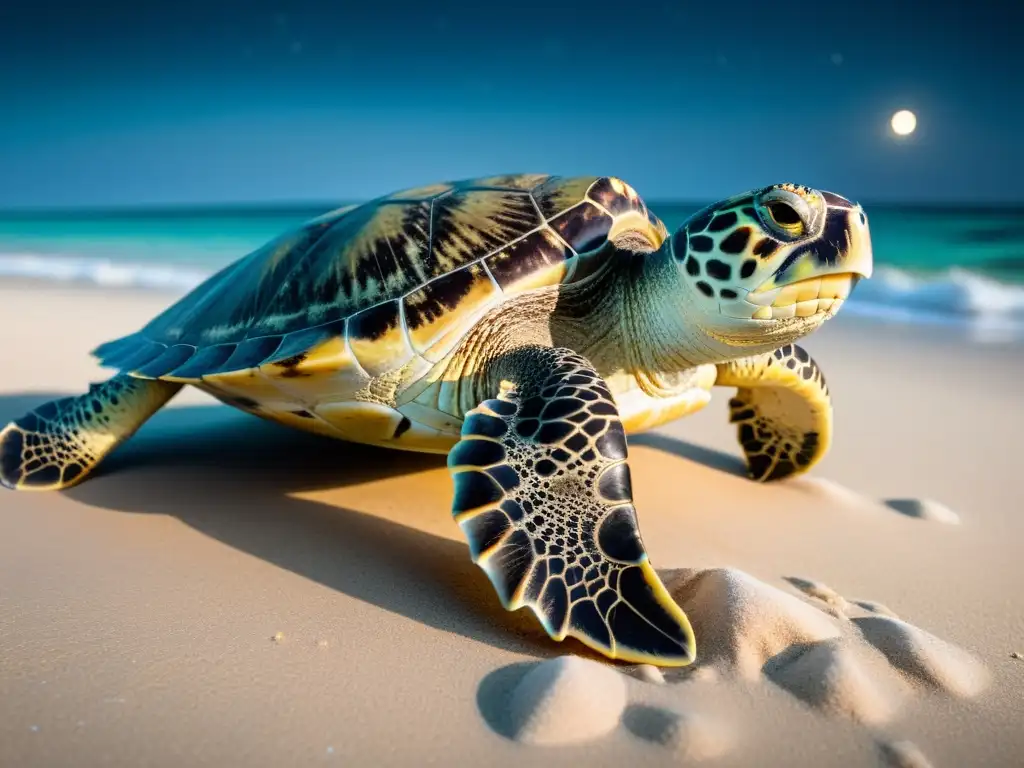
x: 954, y: 295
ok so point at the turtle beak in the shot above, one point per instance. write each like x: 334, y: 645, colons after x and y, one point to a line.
x: 817, y: 276
x: 860, y: 258
x: 842, y: 249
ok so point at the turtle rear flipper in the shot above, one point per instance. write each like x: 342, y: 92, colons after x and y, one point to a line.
x: 782, y: 410
x: 57, y: 444
x: 542, y: 493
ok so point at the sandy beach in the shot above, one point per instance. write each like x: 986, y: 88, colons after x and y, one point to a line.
x: 228, y: 592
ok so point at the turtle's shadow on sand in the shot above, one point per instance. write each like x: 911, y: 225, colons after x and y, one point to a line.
x: 232, y: 476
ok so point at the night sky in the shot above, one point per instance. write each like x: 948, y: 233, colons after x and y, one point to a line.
x: 136, y: 103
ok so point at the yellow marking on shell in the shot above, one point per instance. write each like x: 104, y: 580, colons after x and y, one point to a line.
x: 417, y: 193
x: 422, y: 438
x: 429, y: 416
x: 409, y: 380
x: 435, y: 338
x: 449, y: 396
x: 476, y: 220
x: 445, y: 342
x: 563, y: 194
x: 362, y: 421
x: 312, y: 424
x: 623, y: 188
x: 430, y: 396
x: 331, y: 355
x: 329, y: 371
x: 523, y: 181
x: 553, y: 274
x: 387, y: 224
x: 250, y: 384
x: 385, y: 353
x: 419, y: 388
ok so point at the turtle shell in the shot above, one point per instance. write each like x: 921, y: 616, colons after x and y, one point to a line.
x: 398, y: 276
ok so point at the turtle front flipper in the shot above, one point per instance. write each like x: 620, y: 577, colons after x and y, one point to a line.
x: 57, y: 444
x: 542, y: 493
x: 782, y: 409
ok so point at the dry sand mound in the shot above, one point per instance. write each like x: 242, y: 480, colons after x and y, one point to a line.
x: 924, y: 656
x: 567, y: 700
x: 835, y: 679
x: 750, y: 629
x: 860, y: 667
x: 741, y: 622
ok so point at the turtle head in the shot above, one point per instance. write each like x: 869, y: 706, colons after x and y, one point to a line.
x: 769, y: 266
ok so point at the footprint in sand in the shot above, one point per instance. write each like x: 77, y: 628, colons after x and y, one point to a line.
x: 690, y: 737
x: 571, y: 700
x: 819, y: 650
x: 903, y: 754
x: 836, y: 602
x: 920, y: 509
x: 920, y: 656
x: 924, y: 509
x: 874, y: 607
x: 845, y: 658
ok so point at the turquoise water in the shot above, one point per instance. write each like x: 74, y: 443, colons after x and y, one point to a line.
x: 954, y: 262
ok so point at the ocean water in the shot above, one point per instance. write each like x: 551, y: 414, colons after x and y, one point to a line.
x: 933, y: 265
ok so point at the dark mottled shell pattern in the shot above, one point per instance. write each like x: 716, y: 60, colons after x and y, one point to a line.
x: 399, y: 276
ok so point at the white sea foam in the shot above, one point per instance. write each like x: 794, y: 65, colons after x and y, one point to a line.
x: 956, y: 292
x: 101, y: 272
x: 955, y: 296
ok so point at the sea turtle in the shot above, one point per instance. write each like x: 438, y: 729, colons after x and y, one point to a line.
x: 522, y: 324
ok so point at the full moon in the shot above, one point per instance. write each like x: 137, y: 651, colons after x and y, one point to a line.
x: 903, y: 122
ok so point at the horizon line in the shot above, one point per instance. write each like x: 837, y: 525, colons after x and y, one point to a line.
x: 279, y: 206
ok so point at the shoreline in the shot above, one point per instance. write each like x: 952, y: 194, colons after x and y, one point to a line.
x: 969, y: 329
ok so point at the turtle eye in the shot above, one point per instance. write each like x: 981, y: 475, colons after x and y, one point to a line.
x: 784, y: 214
x: 786, y: 217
